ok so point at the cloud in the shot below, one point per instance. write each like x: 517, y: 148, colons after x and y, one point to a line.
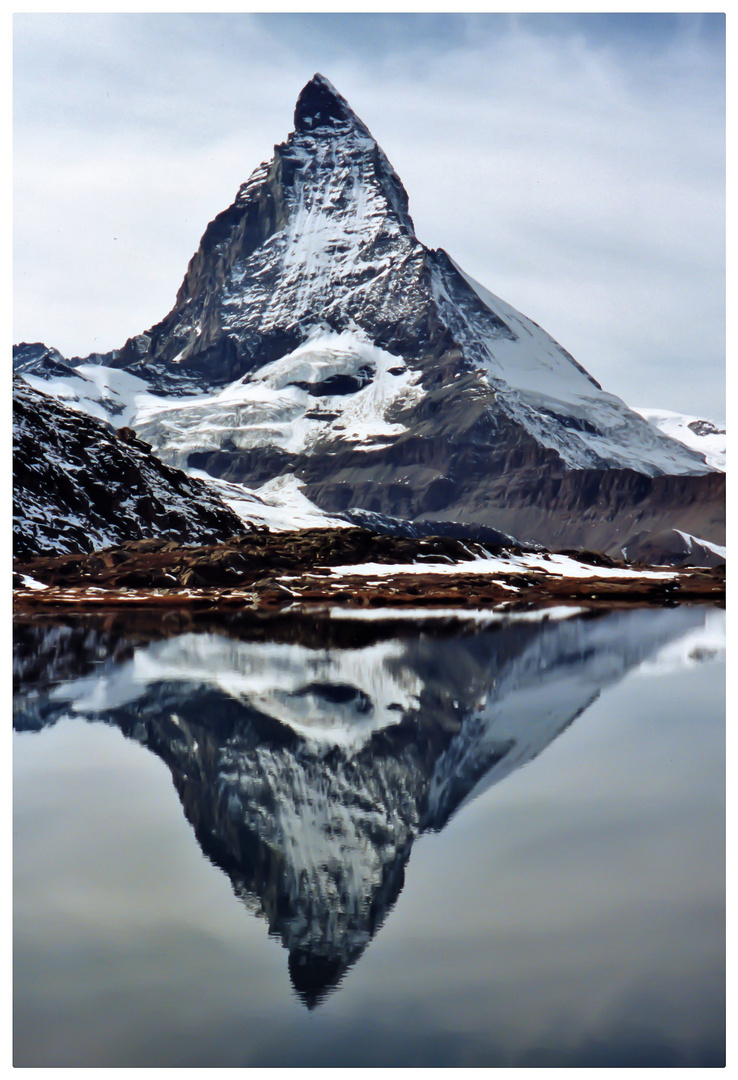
x: 573, y: 164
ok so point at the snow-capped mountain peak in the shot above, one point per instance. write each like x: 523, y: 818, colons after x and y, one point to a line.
x: 426, y: 397
x: 320, y: 239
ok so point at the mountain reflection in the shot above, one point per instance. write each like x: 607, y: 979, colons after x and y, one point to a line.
x: 306, y: 769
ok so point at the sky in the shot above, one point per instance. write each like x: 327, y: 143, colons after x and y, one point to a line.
x: 573, y: 164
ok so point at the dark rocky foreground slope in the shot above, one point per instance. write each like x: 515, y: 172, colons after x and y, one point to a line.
x: 326, y: 342
x: 78, y: 486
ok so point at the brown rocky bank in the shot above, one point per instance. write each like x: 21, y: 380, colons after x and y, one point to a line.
x: 273, y: 571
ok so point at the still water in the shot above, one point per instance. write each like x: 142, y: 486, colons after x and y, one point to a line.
x: 372, y: 843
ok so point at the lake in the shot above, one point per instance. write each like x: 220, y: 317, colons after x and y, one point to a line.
x: 490, y: 841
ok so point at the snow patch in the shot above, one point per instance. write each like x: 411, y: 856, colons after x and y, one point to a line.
x: 279, y: 504
x: 690, y: 540
x: 555, y: 565
x: 107, y: 394
x: 30, y: 582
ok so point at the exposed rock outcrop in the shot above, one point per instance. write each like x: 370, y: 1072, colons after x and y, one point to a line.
x: 78, y: 486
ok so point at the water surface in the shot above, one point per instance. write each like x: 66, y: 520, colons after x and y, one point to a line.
x: 371, y: 844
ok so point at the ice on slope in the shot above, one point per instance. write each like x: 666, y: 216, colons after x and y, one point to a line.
x: 695, y: 432
x: 268, y: 409
x: 107, y: 394
x: 279, y: 504
x: 543, y: 388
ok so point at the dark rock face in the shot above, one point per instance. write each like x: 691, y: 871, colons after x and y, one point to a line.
x: 427, y: 399
x: 618, y: 511
x: 77, y: 486
x: 37, y: 357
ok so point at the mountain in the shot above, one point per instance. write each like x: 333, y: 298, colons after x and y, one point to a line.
x: 317, y: 342
x: 308, y: 771
x: 708, y: 438
x: 79, y: 486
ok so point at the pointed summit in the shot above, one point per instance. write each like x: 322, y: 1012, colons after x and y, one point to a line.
x: 372, y: 370
x: 320, y: 105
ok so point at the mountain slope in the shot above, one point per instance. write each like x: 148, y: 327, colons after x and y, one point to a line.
x: 78, y: 486
x: 315, y: 337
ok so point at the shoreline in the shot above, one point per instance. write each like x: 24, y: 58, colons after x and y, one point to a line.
x: 308, y: 570
x: 358, y: 593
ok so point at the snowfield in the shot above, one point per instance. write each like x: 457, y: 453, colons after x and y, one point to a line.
x: 694, y: 431
x: 278, y: 406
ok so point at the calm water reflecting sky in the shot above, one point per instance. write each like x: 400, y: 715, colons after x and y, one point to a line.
x: 570, y: 913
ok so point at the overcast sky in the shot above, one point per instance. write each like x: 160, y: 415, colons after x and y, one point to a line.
x: 573, y: 164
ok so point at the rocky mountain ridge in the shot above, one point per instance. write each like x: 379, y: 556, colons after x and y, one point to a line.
x: 79, y: 486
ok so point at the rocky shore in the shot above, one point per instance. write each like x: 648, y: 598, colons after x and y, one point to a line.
x: 314, y: 568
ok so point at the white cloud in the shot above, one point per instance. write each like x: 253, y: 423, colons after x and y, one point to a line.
x: 577, y: 174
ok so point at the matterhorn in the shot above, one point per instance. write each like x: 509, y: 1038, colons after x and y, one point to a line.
x: 318, y: 349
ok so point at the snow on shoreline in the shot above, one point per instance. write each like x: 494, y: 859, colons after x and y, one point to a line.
x: 555, y: 565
